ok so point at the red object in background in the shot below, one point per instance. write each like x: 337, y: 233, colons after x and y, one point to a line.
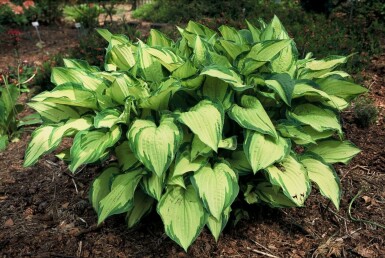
x: 27, y: 4
x: 15, y: 34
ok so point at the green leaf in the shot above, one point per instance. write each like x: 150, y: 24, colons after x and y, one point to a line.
x: 332, y: 151
x: 231, y: 34
x: 240, y: 163
x: 295, y: 132
x: 206, y: 121
x: 90, y: 146
x: 47, y: 138
x: 80, y: 64
x: 120, y: 199
x: 149, y: 68
x: 283, y: 85
x: 325, y: 177
x: 166, y: 57
x: 199, y: 148
x: 69, y: 94
x: 183, y: 164
x: 292, y: 177
x: 105, y: 34
x: 217, y: 187
x: 273, y: 196
x: 255, y: 32
x: 263, y: 151
x: 233, y: 49
x: 153, y: 185
x: 252, y: 116
x: 226, y: 75
x: 320, y: 119
x: 199, y: 29
x: 216, y: 226
x: 125, y: 86
x: 158, y: 38
x: 120, y: 56
x: 218, y: 91
x: 54, y: 112
x: 182, y: 214
x: 61, y: 75
x: 101, y: 186
x: 306, y: 89
x: 155, y: 146
x: 107, y: 118
x: 159, y: 99
x: 141, y: 206
x: 341, y: 88
x: 126, y: 157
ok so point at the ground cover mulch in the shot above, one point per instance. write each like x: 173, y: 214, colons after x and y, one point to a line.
x: 44, y: 209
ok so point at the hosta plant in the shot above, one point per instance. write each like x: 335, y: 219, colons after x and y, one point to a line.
x: 189, y: 127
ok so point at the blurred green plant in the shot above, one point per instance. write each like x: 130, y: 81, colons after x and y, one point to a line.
x: 365, y: 111
x: 86, y: 14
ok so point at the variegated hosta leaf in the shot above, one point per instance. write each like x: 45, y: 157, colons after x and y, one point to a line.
x: 295, y: 132
x: 61, y: 75
x: 206, y: 121
x: 283, y: 85
x: 217, y: 90
x: 141, y: 206
x: 80, y: 64
x: 217, y: 187
x: 155, y: 146
x: 149, y: 68
x: 47, y: 138
x: 120, y: 57
x: 261, y: 53
x: 153, y: 185
x: 69, y: 94
x: 239, y: 163
x: 90, y: 146
x: 159, y: 99
x: 255, y: 32
x: 311, y: 92
x: 120, y: 199
x: 166, y: 57
x: 325, y: 177
x: 292, y: 177
x: 274, y: 30
x: 124, y: 86
x: 341, y: 88
x: 233, y: 49
x: 227, y: 75
x: 273, y: 196
x: 263, y: 150
x: 158, y: 38
x: 199, y: 29
x: 318, y: 68
x: 54, y: 112
x: 216, y: 226
x: 101, y: 186
x: 231, y: 34
x: 183, y: 164
x: 185, y: 71
x: 199, y: 148
x: 182, y: 214
x: 107, y: 118
x: 332, y: 151
x: 126, y: 157
x: 320, y: 119
x: 228, y: 143
x: 286, y: 60
x: 252, y: 116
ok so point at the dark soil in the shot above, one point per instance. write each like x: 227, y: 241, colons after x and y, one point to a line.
x: 44, y: 210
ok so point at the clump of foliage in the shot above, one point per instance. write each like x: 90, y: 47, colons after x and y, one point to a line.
x: 86, y: 14
x: 188, y: 127
x: 18, y: 12
x: 365, y: 111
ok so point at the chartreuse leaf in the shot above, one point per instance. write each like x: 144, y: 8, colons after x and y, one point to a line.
x: 107, y: 118
x: 226, y: 75
x: 120, y: 56
x: 340, y: 88
x: 105, y: 34
x: 240, y: 163
x: 325, y: 177
x: 155, y: 146
x: 311, y: 92
x: 333, y: 151
x: 206, y: 121
x: 231, y: 34
x: 218, y: 91
x: 233, y: 49
x: 252, y: 116
x: 166, y: 57
x: 216, y: 226
x: 120, y: 198
x: 295, y: 132
x: 228, y: 143
x: 48, y: 137
x: 262, y: 150
x: 199, y: 29
x: 101, y: 186
x: 283, y: 85
x: 273, y: 196
x: 183, y: 164
x: 292, y: 177
x: 149, y: 68
x: 159, y: 99
x: 199, y: 148
x: 69, y: 94
x: 126, y: 158
x: 185, y: 71
x: 320, y: 119
x: 141, y: 206
x: 182, y: 214
x: 153, y: 185
x: 90, y: 146
x: 217, y: 187
x: 54, y: 112
x: 75, y: 63
x: 319, y: 68
x: 255, y: 32
x: 158, y: 38
x: 125, y: 86
x: 61, y: 75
